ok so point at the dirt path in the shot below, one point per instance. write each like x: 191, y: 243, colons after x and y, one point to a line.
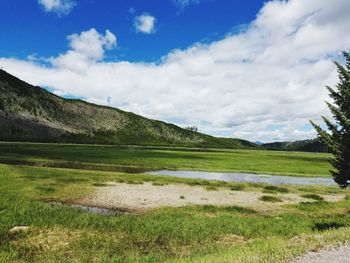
x: 339, y: 254
x: 146, y: 196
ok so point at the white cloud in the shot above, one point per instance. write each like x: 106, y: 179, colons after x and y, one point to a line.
x: 263, y: 83
x: 184, y: 3
x: 145, y: 23
x: 61, y: 7
x: 87, y: 48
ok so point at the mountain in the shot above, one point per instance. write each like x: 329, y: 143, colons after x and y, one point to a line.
x: 30, y: 113
x: 313, y: 145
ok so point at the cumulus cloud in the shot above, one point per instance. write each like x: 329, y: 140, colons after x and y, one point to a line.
x: 263, y: 83
x: 87, y: 48
x: 60, y: 7
x: 145, y: 23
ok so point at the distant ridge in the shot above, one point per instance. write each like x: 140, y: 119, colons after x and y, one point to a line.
x: 30, y: 113
x: 313, y: 145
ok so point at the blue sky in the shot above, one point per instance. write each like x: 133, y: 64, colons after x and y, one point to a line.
x: 31, y: 30
x: 249, y: 69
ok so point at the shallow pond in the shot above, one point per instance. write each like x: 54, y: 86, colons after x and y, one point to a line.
x: 246, y: 177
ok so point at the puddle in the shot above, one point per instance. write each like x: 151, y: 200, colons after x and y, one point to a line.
x: 93, y: 209
x: 248, y: 178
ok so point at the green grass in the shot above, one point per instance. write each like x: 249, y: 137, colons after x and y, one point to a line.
x: 137, y: 159
x: 313, y: 196
x: 193, y: 233
x: 274, y: 249
x: 275, y: 189
x: 272, y: 199
x: 211, y: 188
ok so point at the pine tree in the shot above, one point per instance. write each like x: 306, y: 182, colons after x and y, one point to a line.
x: 337, y: 138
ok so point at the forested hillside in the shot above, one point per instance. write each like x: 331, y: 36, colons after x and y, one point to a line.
x: 29, y: 113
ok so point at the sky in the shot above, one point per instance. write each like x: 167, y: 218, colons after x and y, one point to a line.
x: 251, y: 69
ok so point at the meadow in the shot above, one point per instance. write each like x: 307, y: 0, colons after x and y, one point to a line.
x: 134, y: 158
x: 194, y: 233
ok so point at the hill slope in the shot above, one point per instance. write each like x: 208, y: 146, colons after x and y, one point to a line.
x: 29, y: 113
x: 313, y: 145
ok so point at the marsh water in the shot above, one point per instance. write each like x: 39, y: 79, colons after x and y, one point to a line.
x: 248, y: 178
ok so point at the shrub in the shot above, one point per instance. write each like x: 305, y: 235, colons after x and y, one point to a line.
x: 238, y: 187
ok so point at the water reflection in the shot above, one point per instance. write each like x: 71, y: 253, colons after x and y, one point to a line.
x: 249, y: 178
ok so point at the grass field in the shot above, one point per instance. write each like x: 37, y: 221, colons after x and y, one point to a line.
x: 192, y: 233
x: 143, y: 158
x: 60, y: 233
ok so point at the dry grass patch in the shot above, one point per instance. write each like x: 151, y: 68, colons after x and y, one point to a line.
x: 48, y: 240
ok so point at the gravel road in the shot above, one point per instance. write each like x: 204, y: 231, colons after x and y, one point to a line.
x: 339, y: 254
